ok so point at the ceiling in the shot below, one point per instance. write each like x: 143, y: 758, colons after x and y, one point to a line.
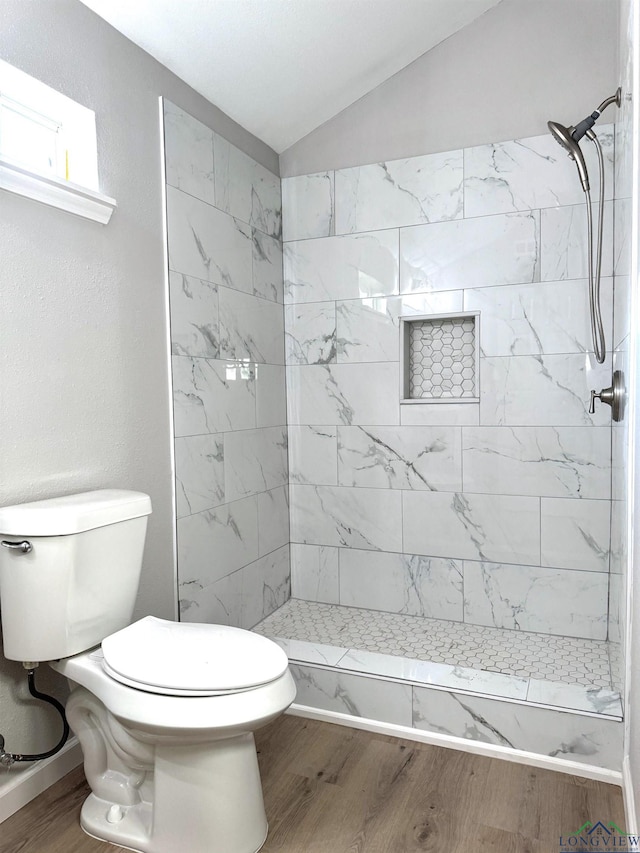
x: 281, y: 68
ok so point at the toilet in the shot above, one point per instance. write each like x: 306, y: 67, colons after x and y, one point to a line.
x: 164, y: 711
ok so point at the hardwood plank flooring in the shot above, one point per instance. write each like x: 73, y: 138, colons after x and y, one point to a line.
x: 331, y: 789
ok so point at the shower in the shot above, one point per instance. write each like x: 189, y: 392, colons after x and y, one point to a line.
x: 569, y: 138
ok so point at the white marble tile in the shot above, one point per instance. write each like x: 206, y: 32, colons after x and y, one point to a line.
x: 313, y: 455
x: 216, y: 542
x: 530, y: 173
x: 273, y: 519
x: 563, y: 242
x: 575, y: 534
x: 250, y: 328
x: 268, y: 276
x: 254, y: 461
x: 464, y: 526
x: 369, y: 329
x: 446, y: 414
x: 344, y: 394
x: 549, y: 390
x: 399, y: 192
x: 349, y: 267
x: 357, y: 518
x: 622, y: 235
x: 219, y: 603
x: 206, y: 243
x: 619, y: 459
x: 314, y: 572
x: 266, y: 585
x: 400, y: 457
x: 624, y: 146
x: 194, y: 316
x: 444, y: 675
x: 534, y: 598
x: 212, y: 396
x: 617, y: 615
x: 401, y: 583
x: 310, y: 333
x: 300, y: 650
x: 199, y: 473
x: 575, y: 737
x: 531, y: 319
x: 597, y: 700
x: 619, y: 523
x: 616, y: 653
x: 469, y: 253
x: 188, y: 153
x: 307, y: 206
x: 271, y: 395
x: 245, y: 189
x: 352, y: 694
x: 550, y: 461
x: 621, y: 309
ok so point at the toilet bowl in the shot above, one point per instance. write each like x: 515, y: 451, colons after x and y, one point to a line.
x: 164, y: 711
x: 169, y: 750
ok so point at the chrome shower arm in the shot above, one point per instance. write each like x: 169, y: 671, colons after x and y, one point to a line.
x: 612, y: 99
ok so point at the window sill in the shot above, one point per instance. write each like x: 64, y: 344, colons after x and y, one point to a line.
x: 56, y: 193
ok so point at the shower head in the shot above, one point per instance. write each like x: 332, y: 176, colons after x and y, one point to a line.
x: 569, y: 137
x: 564, y: 136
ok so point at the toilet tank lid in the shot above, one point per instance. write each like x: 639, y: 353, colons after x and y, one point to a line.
x: 73, y: 513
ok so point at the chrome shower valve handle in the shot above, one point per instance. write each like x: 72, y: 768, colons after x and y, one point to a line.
x: 613, y: 396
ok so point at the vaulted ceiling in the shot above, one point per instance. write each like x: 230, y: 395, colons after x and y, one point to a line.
x: 281, y: 68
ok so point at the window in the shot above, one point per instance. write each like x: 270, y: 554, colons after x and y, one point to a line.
x: 48, y: 148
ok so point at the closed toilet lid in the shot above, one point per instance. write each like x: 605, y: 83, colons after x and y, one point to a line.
x: 187, y: 658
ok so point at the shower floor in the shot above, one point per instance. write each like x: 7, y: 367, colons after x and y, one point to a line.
x: 539, y: 668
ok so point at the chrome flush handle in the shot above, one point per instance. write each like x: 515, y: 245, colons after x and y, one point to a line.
x: 22, y: 547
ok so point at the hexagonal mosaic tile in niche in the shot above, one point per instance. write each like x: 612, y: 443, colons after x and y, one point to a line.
x: 441, y: 356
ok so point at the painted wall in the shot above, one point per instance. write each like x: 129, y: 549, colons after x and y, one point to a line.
x: 502, y: 77
x: 495, y: 513
x: 84, y: 368
x: 630, y: 615
x: 227, y: 343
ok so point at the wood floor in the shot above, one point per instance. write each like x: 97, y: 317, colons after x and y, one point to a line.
x: 330, y: 789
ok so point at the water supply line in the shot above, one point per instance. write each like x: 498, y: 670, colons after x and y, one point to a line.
x: 9, y: 758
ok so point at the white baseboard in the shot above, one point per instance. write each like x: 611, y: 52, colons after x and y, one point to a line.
x: 25, y: 784
x: 628, y: 794
x: 574, y: 768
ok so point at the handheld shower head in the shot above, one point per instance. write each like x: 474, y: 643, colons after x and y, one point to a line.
x: 564, y: 136
x: 569, y: 137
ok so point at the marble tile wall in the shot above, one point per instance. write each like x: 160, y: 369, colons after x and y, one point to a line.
x: 227, y: 344
x: 495, y: 513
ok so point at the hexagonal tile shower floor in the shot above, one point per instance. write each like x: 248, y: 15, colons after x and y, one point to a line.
x: 558, y: 671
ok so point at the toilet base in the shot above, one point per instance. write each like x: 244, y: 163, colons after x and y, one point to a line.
x: 155, y: 794
x: 132, y: 831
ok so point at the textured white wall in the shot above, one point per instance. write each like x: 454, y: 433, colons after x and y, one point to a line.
x: 83, y: 362
x: 502, y: 77
x: 630, y: 43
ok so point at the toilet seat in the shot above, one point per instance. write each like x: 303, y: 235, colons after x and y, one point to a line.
x: 190, y: 659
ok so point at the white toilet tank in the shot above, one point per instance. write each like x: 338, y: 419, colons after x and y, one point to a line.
x: 75, y: 580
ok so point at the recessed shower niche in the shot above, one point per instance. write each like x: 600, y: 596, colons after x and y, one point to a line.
x: 439, y: 358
